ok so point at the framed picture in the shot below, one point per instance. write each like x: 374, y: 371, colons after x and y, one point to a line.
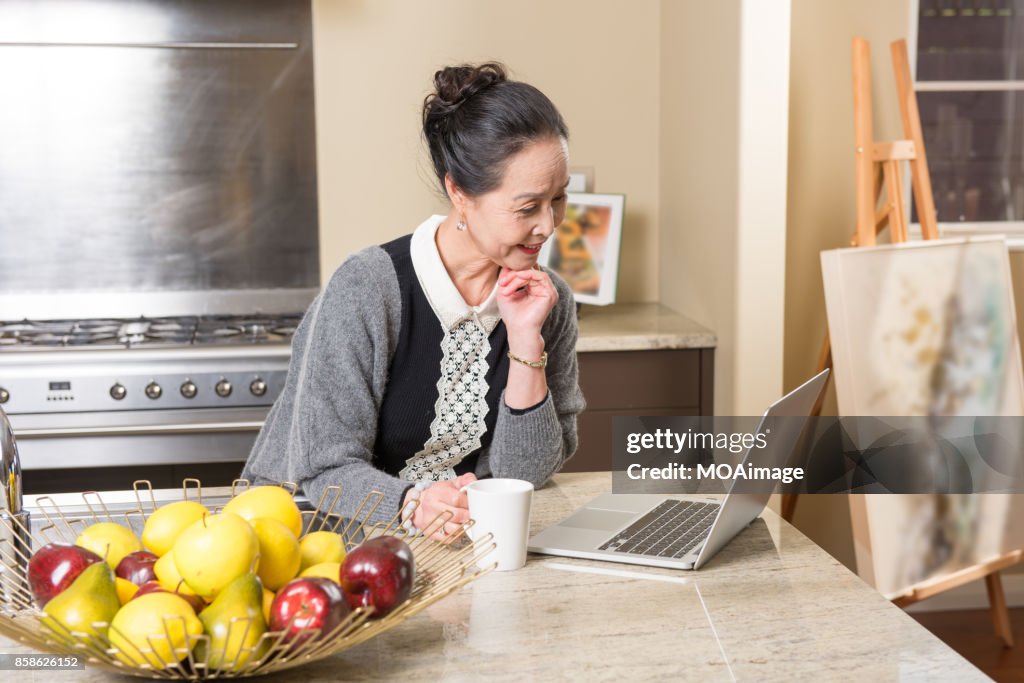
x: 585, y: 248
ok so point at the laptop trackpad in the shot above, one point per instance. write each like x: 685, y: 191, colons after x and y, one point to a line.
x: 601, y: 520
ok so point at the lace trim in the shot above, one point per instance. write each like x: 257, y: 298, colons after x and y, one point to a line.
x: 460, y: 408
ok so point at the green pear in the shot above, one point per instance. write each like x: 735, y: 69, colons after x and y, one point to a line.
x: 234, y: 621
x: 91, y: 598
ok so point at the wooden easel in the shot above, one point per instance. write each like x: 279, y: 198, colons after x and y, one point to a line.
x: 877, y: 170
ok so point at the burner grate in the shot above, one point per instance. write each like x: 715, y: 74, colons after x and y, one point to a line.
x: 148, y: 332
x: 244, y: 330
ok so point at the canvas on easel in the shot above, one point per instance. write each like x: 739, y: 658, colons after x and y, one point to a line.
x: 926, y: 328
x: 971, y: 538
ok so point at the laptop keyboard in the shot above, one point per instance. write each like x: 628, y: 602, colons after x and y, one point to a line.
x: 672, y: 529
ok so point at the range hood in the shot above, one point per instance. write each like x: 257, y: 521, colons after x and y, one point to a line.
x: 159, y: 158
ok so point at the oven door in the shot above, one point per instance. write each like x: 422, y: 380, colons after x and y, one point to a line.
x: 136, y: 438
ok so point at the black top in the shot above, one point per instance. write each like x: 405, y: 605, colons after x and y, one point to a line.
x: 408, y: 408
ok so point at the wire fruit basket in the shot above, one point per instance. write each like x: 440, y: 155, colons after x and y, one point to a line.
x: 440, y: 569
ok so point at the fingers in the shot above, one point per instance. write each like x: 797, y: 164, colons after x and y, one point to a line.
x: 449, y: 493
x: 441, y: 527
x: 441, y: 497
x: 464, y: 480
x: 438, y: 522
x: 507, y: 276
x: 444, y: 508
x: 445, y: 534
x: 536, y: 283
x: 458, y: 515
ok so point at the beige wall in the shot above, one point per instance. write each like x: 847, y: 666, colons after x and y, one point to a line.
x: 699, y: 167
x: 723, y: 168
x: 820, y: 207
x: 375, y: 61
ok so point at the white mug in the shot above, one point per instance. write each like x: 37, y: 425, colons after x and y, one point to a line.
x: 501, y: 507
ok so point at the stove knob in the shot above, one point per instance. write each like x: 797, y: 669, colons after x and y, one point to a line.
x: 153, y: 390
x: 223, y: 388
x: 258, y: 387
x: 5, y: 395
x: 118, y: 392
x: 189, y: 389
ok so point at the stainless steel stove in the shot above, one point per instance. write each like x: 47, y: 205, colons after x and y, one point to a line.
x: 143, y: 391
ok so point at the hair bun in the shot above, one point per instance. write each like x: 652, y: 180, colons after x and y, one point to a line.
x: 454, y: 85
x: 476, y: 118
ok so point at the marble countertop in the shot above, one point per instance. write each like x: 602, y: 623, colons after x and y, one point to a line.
x: 770, y: 606
x: 630, y: 327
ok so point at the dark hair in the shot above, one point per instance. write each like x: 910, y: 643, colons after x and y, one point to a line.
x: 476, y: 119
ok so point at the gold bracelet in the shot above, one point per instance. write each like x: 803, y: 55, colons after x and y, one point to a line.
x: 542, y: 363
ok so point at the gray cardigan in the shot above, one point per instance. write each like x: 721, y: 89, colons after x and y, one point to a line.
x: 322, y: 428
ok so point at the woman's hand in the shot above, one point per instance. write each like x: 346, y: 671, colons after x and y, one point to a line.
x: 525, y: 299
x: 441, y: 497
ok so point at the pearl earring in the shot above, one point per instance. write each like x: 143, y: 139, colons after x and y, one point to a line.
x: 461, y: 226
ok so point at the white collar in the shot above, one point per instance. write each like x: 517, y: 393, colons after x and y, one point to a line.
x: 449, y: 306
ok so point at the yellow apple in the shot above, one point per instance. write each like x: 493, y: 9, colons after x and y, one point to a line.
x: 321, y: 546
x: 157, y: 628
x: 109, y: 540
x: 267, y: 501
x: 279, y: 552
x: 163, y: 526
x: 215, y: 551
x: 168, y: 577
x: 328, y: 570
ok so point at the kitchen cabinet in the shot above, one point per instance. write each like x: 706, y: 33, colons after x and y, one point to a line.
x: 638, y: 359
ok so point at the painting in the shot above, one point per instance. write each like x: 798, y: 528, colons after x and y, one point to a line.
x: 585, y: 247
x: 926, y: 329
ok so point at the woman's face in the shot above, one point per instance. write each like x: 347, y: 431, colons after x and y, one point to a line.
x: 510, y: 223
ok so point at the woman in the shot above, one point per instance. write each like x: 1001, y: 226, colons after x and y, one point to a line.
x: 448, y: 354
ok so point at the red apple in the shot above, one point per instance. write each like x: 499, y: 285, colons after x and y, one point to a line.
x: 54, y: 567
x: 379, y: 574
x: 154, y: 587
x: 137, y: 567
x: 307, y: 603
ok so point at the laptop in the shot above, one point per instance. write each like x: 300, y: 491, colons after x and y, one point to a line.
x: 679, y: 532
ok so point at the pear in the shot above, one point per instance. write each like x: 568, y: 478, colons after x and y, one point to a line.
x: 91, y: 598
x: 235, y: 623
